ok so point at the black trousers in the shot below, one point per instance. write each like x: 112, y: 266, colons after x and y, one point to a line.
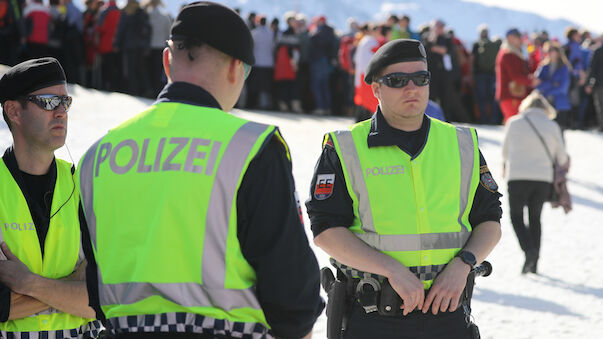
x: 532, y: 194
x: 415, y: 325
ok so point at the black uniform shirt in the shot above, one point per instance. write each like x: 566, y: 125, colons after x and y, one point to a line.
x: 270, y: 232
x: 337, y: 210
x: 38, y: 191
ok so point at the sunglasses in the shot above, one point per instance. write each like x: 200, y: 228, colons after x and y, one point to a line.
x: 247, y: 69
x: 399, y: 80
x: 50, y: 102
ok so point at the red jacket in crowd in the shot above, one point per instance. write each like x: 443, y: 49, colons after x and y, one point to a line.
x: 107, y: 26
x: 37, y: 19
x: 510, y: 67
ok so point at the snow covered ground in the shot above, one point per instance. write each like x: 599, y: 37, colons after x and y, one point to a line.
x: 563, y: 301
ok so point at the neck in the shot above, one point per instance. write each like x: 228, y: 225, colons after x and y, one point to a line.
x: 406, y: 124
x: 33, y: 161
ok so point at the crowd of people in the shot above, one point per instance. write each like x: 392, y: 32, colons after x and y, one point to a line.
x: 103, y: 47
x: 313, y: 68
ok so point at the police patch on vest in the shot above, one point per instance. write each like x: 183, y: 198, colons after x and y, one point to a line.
x: 486, y: 179
x: 324, y: 186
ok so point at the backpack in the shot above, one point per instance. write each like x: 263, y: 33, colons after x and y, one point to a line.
x: 486, y: 55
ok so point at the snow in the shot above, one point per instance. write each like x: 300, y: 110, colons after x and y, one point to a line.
x: 562, y: 301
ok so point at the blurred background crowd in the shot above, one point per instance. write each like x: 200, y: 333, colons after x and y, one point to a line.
x: 306, y: 66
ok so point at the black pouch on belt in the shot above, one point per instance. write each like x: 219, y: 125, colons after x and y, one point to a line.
x: 389, y: 301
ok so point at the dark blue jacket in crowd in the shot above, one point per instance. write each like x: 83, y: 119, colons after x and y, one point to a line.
x: 322, y: 43
x: 574, y: 55
x: 555, y: 85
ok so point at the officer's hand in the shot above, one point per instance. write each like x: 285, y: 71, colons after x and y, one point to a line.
x: 409, y: 288
x: 13, y: 273
x: 447, y: 287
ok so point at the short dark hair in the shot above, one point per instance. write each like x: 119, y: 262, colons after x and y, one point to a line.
x: 393, y: 18
x: 263, y: 21
x: 569, y: 32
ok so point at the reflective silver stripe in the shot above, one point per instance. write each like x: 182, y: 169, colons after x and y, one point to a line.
x: 356, y: 177
x: 408, y: 242
x: 221, y: 200
x: 184, y: 294
x: 87, y: 189
x: 415, y: 242
x: 467, y: 153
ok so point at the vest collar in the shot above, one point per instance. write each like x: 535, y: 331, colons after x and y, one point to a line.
x: 186, y: 93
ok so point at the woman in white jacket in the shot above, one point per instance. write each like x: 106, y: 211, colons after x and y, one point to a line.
x: 532, y: 141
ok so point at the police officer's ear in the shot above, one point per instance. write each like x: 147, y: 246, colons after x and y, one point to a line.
x: 13, y: 109
x: 234, y: 70
x: 376, y: 87
x: 166, y: 62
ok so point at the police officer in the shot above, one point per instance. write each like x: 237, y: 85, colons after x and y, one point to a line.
x: 191, y: 212
x: 408, y: 198
x: 42, y: 289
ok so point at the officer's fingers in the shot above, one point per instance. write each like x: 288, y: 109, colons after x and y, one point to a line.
x: 9, y: 255
x: 409, y: 304
x: 445, y: 303
x: 454, y: 303
x: 435, y: 306
x: 428, y: 301
x: 421, y: 299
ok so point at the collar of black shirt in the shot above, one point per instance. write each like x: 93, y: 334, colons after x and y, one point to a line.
x: 187, y: 93
x: 382, y: 134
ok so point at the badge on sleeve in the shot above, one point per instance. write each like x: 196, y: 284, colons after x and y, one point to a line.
x: 324, y: 186
x: 486, y: 180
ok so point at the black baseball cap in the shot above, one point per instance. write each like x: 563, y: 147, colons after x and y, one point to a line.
x: 220, y: 27
x: 399, y: 50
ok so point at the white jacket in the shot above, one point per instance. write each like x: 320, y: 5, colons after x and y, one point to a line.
x: 523, y: 153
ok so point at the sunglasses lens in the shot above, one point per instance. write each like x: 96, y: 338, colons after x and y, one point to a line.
x: 421, y: 79
x: 67, y: 102
x: 398, y: 81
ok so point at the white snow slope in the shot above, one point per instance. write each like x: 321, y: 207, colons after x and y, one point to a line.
x: 563, y: 301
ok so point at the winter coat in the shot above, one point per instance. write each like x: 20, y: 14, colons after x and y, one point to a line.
x: 510, y: 67
x: 555, y: 86
x: 133, y: 31
x: 484, y: 56
x: 523, y: 153
x: 322, y: 43
x: 595, y: 76
x: 263, y: 46
x: 161, y: 24
x: 573, y: 51
x: 107, y: 26
x: 287, y: 56
x: 37, y: 23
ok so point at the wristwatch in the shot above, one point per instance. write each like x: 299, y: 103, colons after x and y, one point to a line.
x: 468, y: 258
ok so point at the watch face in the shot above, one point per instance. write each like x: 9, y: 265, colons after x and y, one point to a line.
x: 468, y: 258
